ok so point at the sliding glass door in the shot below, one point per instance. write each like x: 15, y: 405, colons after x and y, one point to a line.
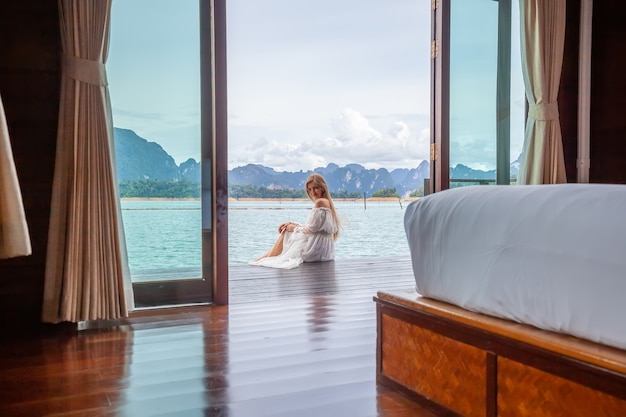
x: 162, y: 71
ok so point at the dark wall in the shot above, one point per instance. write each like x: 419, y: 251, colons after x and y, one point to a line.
x: 608, y: 93
x: 568, y: 90
x: 29, y: 87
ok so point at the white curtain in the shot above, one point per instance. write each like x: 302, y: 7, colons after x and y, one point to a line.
x: 87, y: 275
x: 14, y: 238
x: 543, y: 38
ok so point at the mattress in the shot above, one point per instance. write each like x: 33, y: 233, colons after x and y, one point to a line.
x: 552, y: 256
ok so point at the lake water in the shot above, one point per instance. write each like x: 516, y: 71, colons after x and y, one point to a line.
x: 166, y: 234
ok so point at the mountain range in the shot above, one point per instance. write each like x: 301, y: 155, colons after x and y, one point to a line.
x: 139, y: 159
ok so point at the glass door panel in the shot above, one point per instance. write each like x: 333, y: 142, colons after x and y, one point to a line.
x: 473, y: 72
x: 480, y: 121
x: 155, y: 85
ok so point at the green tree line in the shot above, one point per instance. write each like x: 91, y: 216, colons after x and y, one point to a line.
x: 251, y: 191
x: 386, y: 192
x: 188, y: 189
x: 157, y: 188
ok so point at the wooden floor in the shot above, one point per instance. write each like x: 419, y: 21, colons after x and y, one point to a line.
x: 342, y: 276
x: 291, y: 343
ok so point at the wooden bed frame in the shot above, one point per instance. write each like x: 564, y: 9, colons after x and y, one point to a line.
x: 458, y: 362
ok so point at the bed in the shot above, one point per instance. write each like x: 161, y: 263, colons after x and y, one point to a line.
x: 519, y: 303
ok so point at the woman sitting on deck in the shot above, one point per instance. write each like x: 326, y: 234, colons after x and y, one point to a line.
x: 313, y: 241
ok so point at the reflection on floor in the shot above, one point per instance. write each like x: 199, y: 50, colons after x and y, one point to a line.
x: 306, y: 350
x: 341, y: 276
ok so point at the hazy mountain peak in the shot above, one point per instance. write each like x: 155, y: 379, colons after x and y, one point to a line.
x: 140, y: 159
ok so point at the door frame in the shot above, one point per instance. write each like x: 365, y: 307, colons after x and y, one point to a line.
x: 440, y: 97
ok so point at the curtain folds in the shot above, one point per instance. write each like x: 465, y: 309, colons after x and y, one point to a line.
x: 87, y: 274
x: 543, y: 38
x: 14, y: 237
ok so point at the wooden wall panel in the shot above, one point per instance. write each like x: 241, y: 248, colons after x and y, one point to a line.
x: 29, y: 86
x: 448, y: 372
x: 526, y: 391
x: 608, y: 93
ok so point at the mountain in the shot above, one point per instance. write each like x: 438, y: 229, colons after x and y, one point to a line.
x: 408, y: 180
x: 139, y: 159
x: 190, y: 170
x: 261, y: 176
x: 351, y: 178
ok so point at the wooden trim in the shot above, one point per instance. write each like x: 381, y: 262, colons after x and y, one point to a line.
x: 170, y: 293
x: 491, y: 395
x: 440, y: 98
x: 220, y: 213
x: 379, y: 340
x: 214, y: 163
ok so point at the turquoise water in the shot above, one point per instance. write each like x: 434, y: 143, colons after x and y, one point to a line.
x: 166, y: 234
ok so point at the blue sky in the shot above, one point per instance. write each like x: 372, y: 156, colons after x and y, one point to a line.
x: 153, y: 72
x: 343, y: 81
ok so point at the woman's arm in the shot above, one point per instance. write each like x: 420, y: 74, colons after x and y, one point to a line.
x: 315, y: 222
x: 288, y: 227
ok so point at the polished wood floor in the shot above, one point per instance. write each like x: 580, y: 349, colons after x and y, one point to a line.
x: 279, y: 349
x: 342, y: 276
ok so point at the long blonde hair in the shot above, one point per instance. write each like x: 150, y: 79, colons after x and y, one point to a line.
x: 319, y: 180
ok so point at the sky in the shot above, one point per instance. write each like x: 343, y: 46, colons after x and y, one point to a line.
x: 309, y: 82
x: 153, y: 72
x: 473, y: 75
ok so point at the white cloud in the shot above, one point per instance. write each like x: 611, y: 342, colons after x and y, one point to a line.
x: 352, y: 140
x: 352, y: 129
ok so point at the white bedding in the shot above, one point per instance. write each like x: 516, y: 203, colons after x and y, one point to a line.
x: 553, y: 256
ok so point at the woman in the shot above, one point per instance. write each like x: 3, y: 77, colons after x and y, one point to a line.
x: 313, y: 241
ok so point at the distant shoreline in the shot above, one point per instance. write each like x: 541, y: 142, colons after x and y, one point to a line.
x: 369, y: 199
x: 372, y: 199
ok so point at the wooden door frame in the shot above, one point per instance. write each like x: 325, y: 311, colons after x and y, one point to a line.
x: 215, y: 150
x: 440, y: 97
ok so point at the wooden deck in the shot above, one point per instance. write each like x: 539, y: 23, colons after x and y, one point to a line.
x: 291, y: 343
x: 342, y: 276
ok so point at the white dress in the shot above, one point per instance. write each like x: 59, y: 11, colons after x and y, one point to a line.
x: 310, y: 242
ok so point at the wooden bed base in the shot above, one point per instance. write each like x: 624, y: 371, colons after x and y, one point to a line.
x: 463, y: 363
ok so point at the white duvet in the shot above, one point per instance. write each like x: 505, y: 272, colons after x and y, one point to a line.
x: 553, y: 256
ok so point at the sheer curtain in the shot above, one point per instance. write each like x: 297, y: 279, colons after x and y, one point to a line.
x: 87, y: 275
x: 543, y: 38
x: 14, y: 237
